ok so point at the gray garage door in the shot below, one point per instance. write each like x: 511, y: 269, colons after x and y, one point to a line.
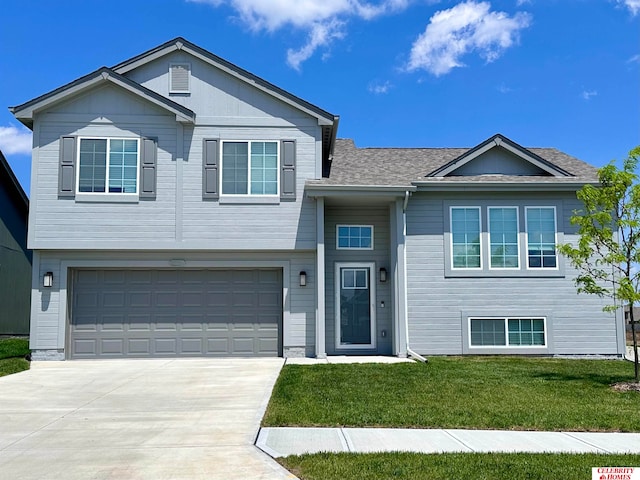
x: 176, y: 313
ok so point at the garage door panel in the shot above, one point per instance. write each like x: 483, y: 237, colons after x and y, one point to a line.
x: 87, y: 299
x: 165, y: 346
x: 146, y: 313
x: 139, y: 346
x: 112, y: 347
x: 167, y: 298
x: 191, y: 346
x: 114, y: 277
x: 87, y: 348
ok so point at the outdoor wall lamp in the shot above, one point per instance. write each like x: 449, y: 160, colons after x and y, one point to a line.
x: 303, y: 279
x: 383, y: 275
x: 47, y: 280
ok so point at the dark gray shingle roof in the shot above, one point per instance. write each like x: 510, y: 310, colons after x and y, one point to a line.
x: 402, y: 166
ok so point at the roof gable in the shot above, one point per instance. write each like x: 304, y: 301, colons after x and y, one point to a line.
x: 98, y: 78
x: 499, y: 156
x: 180, y: 44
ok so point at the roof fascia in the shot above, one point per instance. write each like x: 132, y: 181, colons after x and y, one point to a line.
x: 500, y: 186
x: 323, y: 117
x: 25, y: 112
x: 319, y: 190
x: 509, y: 145
x: 14, y: 181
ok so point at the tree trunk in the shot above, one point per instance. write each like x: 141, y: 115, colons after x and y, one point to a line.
x: 632, y: 320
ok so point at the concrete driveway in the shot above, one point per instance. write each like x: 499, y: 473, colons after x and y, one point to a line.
x: 137, y: 419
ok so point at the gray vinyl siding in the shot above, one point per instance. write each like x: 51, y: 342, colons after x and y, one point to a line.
x: 285, y: 225
x: 178, y: 218
x: 380, y: 255
x: 438, y: 306
x: 50, y: 312
x: 216, y: 97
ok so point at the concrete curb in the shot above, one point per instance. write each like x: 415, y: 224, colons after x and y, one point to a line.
x: 284, y: 441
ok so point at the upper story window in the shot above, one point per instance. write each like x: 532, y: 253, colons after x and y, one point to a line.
x: 354, y: 237
x: 179, y: 74
x: 541, y: 237
x: 108, y: 165
x: 250, y: 168
x: 465, y: 237
x: 503, y: 237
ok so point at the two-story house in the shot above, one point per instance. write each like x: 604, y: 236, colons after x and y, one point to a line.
x: 182, y: 206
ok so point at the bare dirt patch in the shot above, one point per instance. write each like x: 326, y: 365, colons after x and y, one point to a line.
x: 626, y: 387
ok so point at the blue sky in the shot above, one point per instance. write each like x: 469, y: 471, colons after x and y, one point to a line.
x: 402, y: 73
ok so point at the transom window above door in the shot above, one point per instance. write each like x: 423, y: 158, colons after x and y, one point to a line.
x: 108, y: 165
x: 250, y: 168
x: 354, y: 237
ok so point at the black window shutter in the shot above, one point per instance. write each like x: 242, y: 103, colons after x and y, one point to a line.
x: 288, y: 170
x: 67, y: 170
x: 148, y: 168
x: 210, y: 169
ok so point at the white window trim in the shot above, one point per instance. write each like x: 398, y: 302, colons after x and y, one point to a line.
x: 555, y: 238
x: 184, y: 64
x: 372, y: 304
x: 80, y: 194
x: 506, y: 331
x: 509, y: 269
x: 453, y: 267
x: 249, y: 194
x: 338, y: 247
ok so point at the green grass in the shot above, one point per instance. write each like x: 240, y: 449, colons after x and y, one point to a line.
x: 12, y: 353
x: 451, y: 466
x: 14, y: 347
x: 453, y: 392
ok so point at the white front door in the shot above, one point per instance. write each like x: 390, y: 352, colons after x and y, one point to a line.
x: 355, y: 306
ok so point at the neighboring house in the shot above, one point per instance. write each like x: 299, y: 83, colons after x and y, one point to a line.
x: 15, y: 259
x: 627, y: 315
x: 184, y: 207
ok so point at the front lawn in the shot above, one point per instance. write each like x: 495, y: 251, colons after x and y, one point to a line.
x: 451, y: 466
x: 12, y: 353
x: 459, y: 392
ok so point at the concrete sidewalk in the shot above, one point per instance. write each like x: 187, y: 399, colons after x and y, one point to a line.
x: 281, y: 442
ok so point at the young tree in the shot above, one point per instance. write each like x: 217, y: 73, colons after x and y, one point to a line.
x: 607, y: 254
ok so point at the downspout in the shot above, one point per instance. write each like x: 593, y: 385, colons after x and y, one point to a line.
x: 411, y: 353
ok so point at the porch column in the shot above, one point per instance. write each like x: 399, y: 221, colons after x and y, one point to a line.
x: 320, y: 296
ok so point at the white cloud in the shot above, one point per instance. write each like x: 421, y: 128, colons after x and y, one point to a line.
x: 632, y: 5
x: 325, y: 20
x: 519, y: 3
x: 587, y: 94
x: 379, y: 88
x: 320, y: 35
x: 467, y: 27
x: 634, y: 59
x: 15, y: 140
x: 503, y: 88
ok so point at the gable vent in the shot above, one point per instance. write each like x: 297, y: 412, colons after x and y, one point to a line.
x: 179, y: 77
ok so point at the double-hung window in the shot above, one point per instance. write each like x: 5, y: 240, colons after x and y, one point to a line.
x: 108, y: 165
x: 465, y: 237
x: 503, y: 237
x: 250, y: 168
x: 541, y: 237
